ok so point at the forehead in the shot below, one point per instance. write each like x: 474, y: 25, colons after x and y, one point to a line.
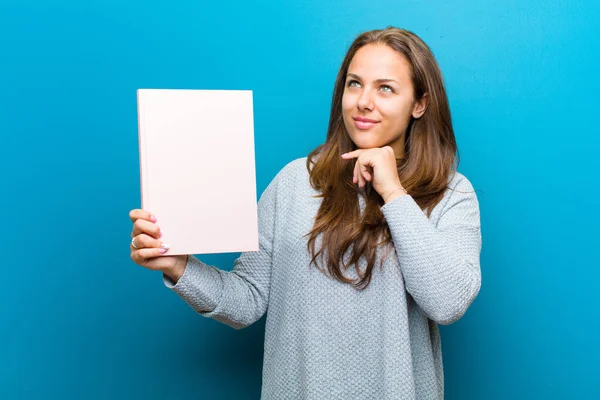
x: 379, y: 61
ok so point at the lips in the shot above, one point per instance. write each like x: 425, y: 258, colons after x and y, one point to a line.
x: 364, y: 123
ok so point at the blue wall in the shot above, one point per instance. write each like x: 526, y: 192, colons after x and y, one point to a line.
x: 80, y: 320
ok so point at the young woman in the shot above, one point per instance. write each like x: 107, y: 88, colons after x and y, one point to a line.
x: 366, y: 245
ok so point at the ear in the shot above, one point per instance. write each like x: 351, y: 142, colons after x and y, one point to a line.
x: 420, y: 106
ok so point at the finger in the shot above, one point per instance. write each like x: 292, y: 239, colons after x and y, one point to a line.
x: 365, y: 162
x: 144, y: 257
x: 389, y: 149
x: 157, y: 263
x: 361, y: 179
x: 142, y: 226
x: 365, y: 168
x: 143, y: 241
x: 141, y: 214
x: 356, y: 174
x: 366, y: 174
x: 353, y: 154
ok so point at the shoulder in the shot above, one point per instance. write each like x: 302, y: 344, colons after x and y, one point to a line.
x: 295, y: 166
x: 292, y: 171
x: 458, y: 181
x: 460, y: 191
x: 287, y: 185
x: 288, y: 177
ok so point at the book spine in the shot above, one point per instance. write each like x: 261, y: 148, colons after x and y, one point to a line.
x: 142, y: 152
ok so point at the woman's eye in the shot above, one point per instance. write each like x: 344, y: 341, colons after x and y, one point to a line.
x: 387, y: 88
x: 353, y: 84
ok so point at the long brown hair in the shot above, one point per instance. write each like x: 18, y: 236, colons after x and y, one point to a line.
x: 430, y: 155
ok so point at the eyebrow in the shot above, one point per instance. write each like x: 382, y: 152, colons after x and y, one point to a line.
x: 382, y: 80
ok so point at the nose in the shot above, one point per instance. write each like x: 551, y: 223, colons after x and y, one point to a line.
x: 365, y: 100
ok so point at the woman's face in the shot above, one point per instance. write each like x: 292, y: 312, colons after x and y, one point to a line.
x: 378, y: 100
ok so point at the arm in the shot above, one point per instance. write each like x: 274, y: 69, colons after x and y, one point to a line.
x: 239, y: 297
x: 440, y: 265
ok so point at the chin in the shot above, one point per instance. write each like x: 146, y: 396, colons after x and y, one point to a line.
x: 364, y: 143
x: 367, y: 146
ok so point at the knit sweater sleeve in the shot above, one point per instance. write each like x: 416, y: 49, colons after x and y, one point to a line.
x: 439, y: 264
x: 239, y: 297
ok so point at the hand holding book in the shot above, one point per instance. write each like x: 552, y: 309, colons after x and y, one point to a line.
x: 147, y: 249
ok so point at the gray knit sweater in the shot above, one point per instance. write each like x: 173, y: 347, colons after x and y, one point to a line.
x: 325, y: 339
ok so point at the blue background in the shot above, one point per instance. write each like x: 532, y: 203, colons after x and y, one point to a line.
x: 80, y: 320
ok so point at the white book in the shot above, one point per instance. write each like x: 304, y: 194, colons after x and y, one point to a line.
x: 197, y: 168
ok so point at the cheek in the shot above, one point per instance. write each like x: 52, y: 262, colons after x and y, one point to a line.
x: 397, y: 114
x: 348, y: 102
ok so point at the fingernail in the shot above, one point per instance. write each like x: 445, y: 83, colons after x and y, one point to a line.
x: 163, y: 251
x: 164, y: 246
x: 159, y: 234
x: 153, y: 218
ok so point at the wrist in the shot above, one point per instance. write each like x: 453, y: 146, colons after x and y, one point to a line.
x: 394, y: 193
x: 177, y: 270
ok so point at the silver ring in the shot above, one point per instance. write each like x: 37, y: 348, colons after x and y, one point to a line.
x: 133, y: 244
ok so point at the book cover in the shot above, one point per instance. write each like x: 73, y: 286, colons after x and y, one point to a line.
x: 197, y: 168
